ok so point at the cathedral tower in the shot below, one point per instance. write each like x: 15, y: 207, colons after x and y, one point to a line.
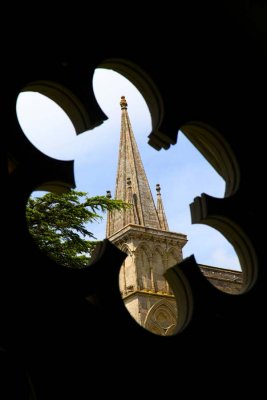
x: 143, y: 233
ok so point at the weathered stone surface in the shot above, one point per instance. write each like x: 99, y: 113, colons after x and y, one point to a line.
x: 131, y: 183
x: 224, y: 279
x: 143, y: 233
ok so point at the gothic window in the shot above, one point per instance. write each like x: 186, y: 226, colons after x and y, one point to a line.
x: 158, y: 271
x: 143, y: 269
x: 161, y: 319
x: 172, y: 258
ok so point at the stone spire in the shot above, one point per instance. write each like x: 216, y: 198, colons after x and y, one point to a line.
x: 142, y: 233
x: 160, y: 210
x: 132, y: 184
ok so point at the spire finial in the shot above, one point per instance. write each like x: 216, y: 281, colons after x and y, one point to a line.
x: 160, y: 209
x: 123, y: 103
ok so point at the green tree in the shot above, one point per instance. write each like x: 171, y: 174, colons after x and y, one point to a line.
x: 58, y: 224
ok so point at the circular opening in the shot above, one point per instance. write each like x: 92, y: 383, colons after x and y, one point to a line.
x: 182, y: 174
x: 46, y: 125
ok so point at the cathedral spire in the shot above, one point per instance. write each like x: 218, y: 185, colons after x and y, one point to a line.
x: 131, y: 183
x: 142, y: 232
x: 160, y: 210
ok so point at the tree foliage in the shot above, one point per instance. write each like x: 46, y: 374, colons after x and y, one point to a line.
x: 58, y: 224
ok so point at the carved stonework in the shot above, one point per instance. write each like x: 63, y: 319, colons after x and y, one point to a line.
x: 143, y: 233
x: 161, y: 318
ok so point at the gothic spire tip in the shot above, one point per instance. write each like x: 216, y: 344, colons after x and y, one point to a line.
x: 123, y: 103
x: 158, y: 188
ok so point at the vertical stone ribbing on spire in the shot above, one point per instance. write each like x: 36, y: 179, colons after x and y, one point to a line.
x: 130, y: 167
x: 160, y: 210
x: 142, y: 232
x: 131, y: 213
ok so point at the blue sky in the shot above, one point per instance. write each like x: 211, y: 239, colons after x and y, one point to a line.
x: 182, y: 171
